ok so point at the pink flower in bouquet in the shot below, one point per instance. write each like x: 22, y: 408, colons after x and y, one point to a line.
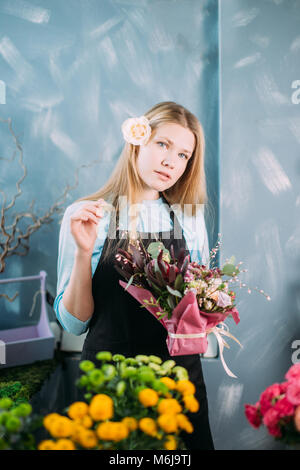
x: 297, y: 418
x: 253, y: 414
x: 284, y: 408
x: 273, y: 391
x: 293, y: 392
x: 188, y: 276
x: 293, y: 372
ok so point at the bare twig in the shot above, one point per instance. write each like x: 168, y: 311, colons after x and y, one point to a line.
x: 14, y: 241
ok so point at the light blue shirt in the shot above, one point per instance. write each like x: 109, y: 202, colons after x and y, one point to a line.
x: 154, y: 217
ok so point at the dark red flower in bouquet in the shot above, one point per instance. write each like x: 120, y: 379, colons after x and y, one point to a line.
x: 253, y: 415
x: 265, y: 401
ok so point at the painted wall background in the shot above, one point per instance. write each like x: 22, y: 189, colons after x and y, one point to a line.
x: 259, y: 215
x: 75, y: 70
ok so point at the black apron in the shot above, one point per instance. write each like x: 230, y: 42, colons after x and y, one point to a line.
x: 121, y: 326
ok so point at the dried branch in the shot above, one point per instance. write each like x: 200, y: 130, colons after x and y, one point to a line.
x: 14, y: 241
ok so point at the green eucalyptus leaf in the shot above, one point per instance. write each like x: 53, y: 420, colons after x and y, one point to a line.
x: 229, y: 269
x: 178, y: 282
x: 171, y: 301
x: 174, y: 291
x: 129, y: 282
x: 232, y: 260
x: 155, y: 247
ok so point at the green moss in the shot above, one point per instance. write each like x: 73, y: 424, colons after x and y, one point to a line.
x: 22, y: 382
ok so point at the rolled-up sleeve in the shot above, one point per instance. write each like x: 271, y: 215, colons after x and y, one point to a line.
x: 66, y: 254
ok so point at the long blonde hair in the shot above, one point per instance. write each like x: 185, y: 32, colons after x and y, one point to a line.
x: 125, y: 180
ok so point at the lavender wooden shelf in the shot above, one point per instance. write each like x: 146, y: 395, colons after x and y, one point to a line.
x: 28, y: 344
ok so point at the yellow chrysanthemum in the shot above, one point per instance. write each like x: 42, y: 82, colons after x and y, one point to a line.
x: 49, y: 419
x: 61, y: 427
x: 167, y: 422
x: 64, y: 444
x: 88, y: 438
x: 191, y: 403
x: 170, y: 383
x: 169, y: 405
x: 47, y: 444
x: 101, y: 407
x: 184, y: 423
x: 112, y: 431
x: 86, y: 421
x: 131, y: 423
x: 78, y: 429
x: 186, y: 387
x: 171, y: 443
x: 121, y: 431
x: 78, y: 410
x: 148, y: 397
x: 104, y: 431
x: 148, y: 426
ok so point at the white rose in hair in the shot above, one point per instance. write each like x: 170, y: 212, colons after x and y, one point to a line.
x: 136, y: 131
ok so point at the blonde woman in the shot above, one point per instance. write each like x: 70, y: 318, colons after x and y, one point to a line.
x: 160, y: 176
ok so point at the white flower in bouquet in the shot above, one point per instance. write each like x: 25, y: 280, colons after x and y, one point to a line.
x: 208, y: 304
x: 199, y: 285
x: 190, y: 289
x: 213, y: 285
x: 224, y: 300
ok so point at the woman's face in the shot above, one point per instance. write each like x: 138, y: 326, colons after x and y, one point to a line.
x: 169, y: 149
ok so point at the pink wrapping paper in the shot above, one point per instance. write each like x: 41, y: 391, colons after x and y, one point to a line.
x: 186, y: 318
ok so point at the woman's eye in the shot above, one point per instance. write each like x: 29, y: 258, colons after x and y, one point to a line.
x: 161, y: 143
x: 184, y: 155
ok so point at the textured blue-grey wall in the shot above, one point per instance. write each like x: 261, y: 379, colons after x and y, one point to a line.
x: 259, y: 213
x: 74, y: 70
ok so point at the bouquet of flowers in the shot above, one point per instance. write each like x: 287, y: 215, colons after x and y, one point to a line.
x: 190, y: 300
x: 138, y: 403
x: 278, y: 408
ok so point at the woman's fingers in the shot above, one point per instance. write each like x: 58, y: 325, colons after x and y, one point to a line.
x: 90, y: 216
x: 86, y: 214
x: 92, y: 210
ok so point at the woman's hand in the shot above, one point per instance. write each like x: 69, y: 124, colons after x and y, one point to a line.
x: 84, y: 225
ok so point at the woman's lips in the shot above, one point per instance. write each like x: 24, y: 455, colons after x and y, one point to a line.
x: 163, y: 177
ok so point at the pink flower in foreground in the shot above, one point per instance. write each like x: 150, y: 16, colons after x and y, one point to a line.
x: 275, y: 431
x: 297, y: 418
x: 293, y: 373
x: 284, y: 408
x: 253, y: 415
x: 266, y: 397
x: 293, y: 392
x: 271, y: 418
x: 283, y: 387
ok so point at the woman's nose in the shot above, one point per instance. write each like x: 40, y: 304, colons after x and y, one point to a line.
x: 167, y: 163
